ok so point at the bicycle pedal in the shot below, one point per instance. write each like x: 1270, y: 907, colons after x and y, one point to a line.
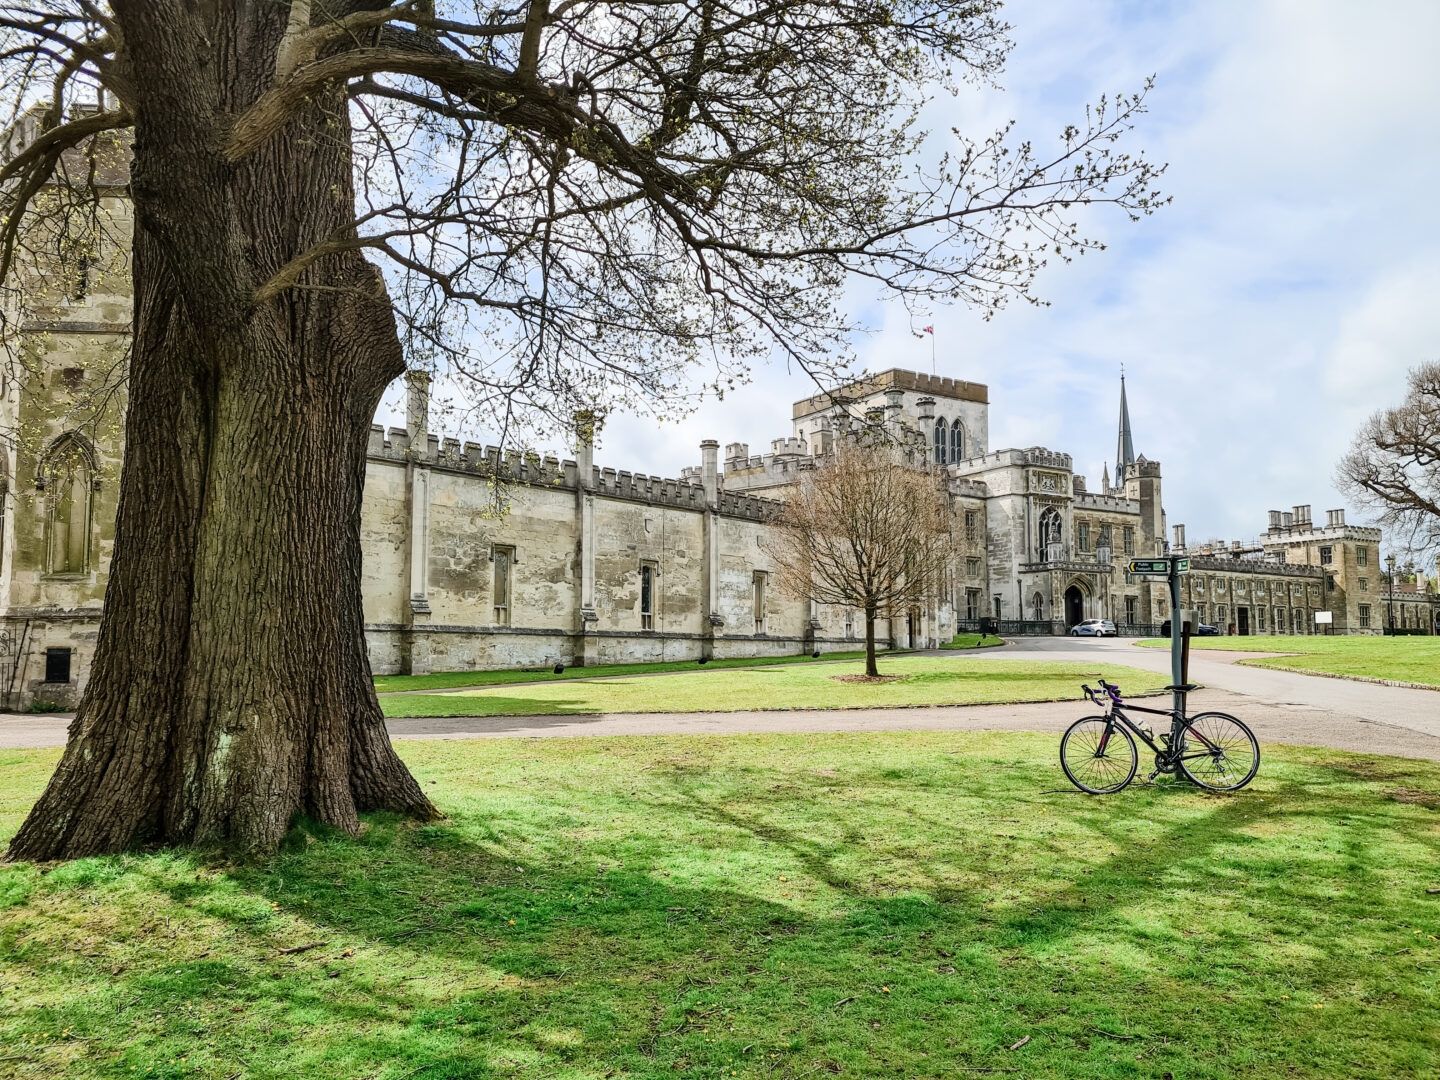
x: 1151, y: 778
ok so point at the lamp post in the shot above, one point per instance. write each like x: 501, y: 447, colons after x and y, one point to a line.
x: 1390, y: 565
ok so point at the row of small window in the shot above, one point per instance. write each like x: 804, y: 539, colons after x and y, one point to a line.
x: 1197, y: 586
x: 1297, y: 618
x: 1082, y: 538
x: 503, y: 557
x: 1409, y: 618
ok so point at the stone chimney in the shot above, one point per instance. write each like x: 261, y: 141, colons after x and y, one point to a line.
x: 824, y: 439
x: 585, y: 427
x: 1302, y: 516
x: 1179, y: 531
x: 710, y: 470
x: 1334, y: 519
x: 1277, y: 519
x: 417, y: 406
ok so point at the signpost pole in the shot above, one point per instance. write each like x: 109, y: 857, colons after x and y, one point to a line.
x: 1177, y: 643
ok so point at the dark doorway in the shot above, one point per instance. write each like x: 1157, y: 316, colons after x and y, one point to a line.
x: 1074, y: 606
x: 1243, y: 615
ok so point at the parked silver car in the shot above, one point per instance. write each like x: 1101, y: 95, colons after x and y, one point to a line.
x: 1093, y: 628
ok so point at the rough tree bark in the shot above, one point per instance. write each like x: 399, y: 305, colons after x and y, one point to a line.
x: 231, y: 689
x: 871, y: 668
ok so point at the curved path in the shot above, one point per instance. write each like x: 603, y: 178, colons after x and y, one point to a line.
x: 1281, y: 706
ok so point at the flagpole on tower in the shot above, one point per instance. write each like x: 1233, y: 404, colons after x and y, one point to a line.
x: 931, y: 331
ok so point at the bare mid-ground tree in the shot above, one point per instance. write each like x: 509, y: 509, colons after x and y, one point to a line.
x: 1393, y: 465
x: 564, y: 202
x: 864, y: 529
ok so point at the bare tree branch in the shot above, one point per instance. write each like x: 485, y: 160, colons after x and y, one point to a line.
x: 1393, y: 465
x: 864, y: 529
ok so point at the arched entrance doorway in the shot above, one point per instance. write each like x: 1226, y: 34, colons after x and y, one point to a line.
x: 1074, y: 606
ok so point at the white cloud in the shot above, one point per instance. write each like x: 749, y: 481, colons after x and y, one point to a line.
x: 1276, y: 303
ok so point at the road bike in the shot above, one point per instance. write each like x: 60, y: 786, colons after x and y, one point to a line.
x: 1211, y: 749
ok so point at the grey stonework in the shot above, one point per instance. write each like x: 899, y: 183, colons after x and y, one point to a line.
x: 1033, y: 544
x: 1030, y: 545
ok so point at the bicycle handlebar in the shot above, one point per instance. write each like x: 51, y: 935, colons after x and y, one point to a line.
x: 1111, y: 690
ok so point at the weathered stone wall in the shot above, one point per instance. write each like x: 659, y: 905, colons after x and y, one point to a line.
x: 61, y: 416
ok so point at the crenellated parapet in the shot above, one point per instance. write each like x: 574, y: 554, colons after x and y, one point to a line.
x: 1142, y: 466
x: 489, y: 463
x: 1115, y: 504
x: 752, y: 507
x: 1033, y: 455
x: 1228, y: 565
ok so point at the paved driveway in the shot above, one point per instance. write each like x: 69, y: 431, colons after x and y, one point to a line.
x: 1282, y: 707
x: 1418, y: 710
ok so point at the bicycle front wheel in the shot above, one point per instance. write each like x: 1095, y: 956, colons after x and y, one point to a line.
x: 1098, y: 755
x: 1218, y: 752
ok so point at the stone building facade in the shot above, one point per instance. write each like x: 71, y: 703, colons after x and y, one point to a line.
x: 1298, y: 577
x: 588, y: 564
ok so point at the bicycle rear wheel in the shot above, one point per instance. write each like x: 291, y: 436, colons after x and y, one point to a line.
x: 1218, y: 752
x: 1098, y: 755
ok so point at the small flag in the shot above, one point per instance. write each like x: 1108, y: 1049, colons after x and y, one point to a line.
x: 929, y: 330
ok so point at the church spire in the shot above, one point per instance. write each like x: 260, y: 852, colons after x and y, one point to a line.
x: 1124, y: 445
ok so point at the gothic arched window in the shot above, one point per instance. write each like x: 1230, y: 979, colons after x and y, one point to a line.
x: 1051, y: 531
x: 939, y: 442
x: 957, y: 442
x: 68, y: 475
x: 1037, y: 607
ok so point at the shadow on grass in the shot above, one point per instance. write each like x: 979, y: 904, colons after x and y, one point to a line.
x: 483, y: 705
x: 804, y: 914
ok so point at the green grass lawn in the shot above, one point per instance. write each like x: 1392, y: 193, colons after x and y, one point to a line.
x: 925, y: 680
x: 1408, y: 659
x: 972, y: 641
x: 769, y: 907
x: 443, y: 680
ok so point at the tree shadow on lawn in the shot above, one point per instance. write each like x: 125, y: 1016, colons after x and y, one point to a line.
x: 484, y: 704
x: 510, y: 938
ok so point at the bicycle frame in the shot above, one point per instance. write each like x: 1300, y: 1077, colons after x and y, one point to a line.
x: 1178, y: 724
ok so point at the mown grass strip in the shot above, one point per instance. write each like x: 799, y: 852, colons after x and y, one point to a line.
x: 445, y: 680
x: 1404, y: 659
x: 766, y: 907
x: 917, y: 680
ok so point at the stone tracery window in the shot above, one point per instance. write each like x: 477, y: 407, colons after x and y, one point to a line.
x: 1051, y: 532
x: 68, y: 479
x: 940, y: 442
x: 957, y: 442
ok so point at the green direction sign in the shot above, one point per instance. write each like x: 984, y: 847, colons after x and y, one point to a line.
x: 1150, y: 566
x: 1158, y: 566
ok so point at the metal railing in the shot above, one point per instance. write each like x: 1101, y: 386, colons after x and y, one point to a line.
x: 1138, y: 629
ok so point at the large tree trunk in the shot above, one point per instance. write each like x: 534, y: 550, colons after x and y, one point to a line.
x: 231, y: 688
x: 870, y: 668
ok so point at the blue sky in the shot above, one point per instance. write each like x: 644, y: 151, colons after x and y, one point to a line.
x: 1260, y: 318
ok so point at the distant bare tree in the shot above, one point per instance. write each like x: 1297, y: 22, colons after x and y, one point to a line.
x: 866, y: 530
x: 1393, y: 467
